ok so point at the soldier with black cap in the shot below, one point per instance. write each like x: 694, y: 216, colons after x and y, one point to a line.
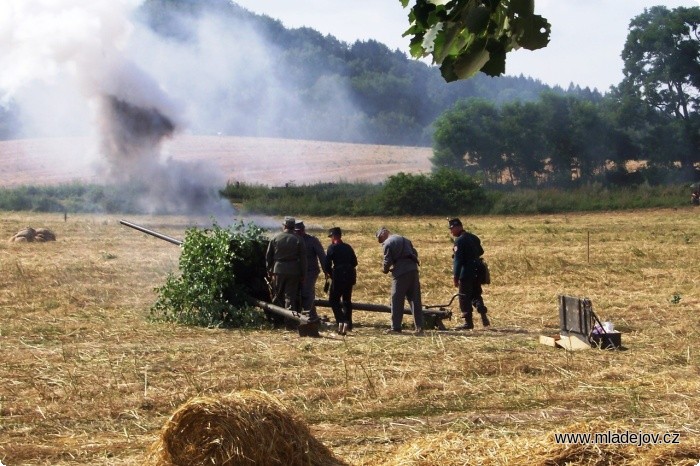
x: 467, y: 252
x: 315, y: 258
x: 286, y: 264
x: 340, y: 264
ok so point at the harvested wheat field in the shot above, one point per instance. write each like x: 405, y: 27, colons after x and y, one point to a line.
x: 274, y: 162
x: 87, y: 379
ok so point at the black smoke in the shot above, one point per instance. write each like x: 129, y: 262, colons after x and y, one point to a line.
x: 131, y: 139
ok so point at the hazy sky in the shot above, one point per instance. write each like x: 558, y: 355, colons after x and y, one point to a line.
x: 586, y: 41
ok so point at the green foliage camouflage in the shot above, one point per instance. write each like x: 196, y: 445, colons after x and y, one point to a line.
x: 219, y: 267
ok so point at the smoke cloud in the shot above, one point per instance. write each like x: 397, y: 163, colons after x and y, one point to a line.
x: 130, y: 77
x: 67, y: 66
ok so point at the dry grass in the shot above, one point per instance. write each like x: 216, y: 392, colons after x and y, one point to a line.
x: 87, y: 380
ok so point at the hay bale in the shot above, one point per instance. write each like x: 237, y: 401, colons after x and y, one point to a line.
x: 246, y: 428
x: 44, y: 234
x: 26, y: 235
x: 29, y: 234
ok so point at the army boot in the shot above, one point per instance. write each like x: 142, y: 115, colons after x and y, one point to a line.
x: 484, y: 319
x: 468, y: 323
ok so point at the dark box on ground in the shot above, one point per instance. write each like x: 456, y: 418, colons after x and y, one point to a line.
x: 611, y: 340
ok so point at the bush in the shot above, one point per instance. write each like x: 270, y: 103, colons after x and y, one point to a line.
x: 318, y: 199
x: 219, y: 269
x: 444, y: 192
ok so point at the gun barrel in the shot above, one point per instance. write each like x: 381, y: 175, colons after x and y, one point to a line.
x: 442, y: 313
x: 167, y: 238
x: 305, y: 328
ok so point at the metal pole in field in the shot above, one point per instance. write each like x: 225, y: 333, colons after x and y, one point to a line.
x: 588, y: 249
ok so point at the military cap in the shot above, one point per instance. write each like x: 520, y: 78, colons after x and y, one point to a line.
x: 454, y: 222
x: 335, y: 231
x: 289, y: 222
x: 299, y: 226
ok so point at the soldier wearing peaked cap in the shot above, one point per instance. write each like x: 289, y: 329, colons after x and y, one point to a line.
x: 467, y: 268
x: 286, y: 264
x: 340, y: 264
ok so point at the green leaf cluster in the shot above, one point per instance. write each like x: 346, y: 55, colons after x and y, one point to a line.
x: 467, y: 36
x: 219, y: 268
x: 442, y: 192
x: 661, y: 88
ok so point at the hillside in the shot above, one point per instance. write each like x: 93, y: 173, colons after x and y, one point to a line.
x: 252, y: 160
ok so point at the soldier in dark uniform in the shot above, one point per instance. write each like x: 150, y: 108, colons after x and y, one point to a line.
x: 315, y: 258
x: 286, y: 264
x: 340, y: 264
x: 467, y: 252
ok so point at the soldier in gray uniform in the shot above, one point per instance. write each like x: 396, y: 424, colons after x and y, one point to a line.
x: 401, y: 259
x: 315, y: 257
x: 286, y: 264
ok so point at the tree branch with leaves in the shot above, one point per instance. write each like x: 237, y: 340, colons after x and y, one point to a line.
x: 467, y: 36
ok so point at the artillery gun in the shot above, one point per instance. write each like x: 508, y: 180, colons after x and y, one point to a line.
x: 260, y: 296
x: 433, y: 316
x: 254, y: 280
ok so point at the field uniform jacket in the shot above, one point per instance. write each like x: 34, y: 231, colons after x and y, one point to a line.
x: 286, y: 254
x: 315, y: 254
x: 399, y: 255
x: 340, y: 264
x: 467, y: 250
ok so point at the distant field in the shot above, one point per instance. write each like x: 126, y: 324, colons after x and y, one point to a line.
x: 86, y: 379
x: 253, y: 160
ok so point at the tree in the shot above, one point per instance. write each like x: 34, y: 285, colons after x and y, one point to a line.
x: 662, y: 70
x: 523, y: 142
x: 467, y: 137
x: 467, y: 36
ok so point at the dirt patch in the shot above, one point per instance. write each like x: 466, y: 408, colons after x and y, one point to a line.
x: 268, y: 161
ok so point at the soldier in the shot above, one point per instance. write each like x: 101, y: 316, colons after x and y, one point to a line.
x: 315, y: 258
x: 340, y: 264
x: 467, y: 252
x: 286, y: 264
x: 401, y: 259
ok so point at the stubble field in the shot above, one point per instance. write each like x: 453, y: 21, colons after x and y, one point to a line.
x: 87, y: 379
x: 269, y: 161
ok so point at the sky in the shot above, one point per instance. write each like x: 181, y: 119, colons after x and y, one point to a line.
x: 586, y: 41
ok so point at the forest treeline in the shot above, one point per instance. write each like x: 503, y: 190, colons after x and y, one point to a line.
x: 646, y: 129
x: 560, y: 141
